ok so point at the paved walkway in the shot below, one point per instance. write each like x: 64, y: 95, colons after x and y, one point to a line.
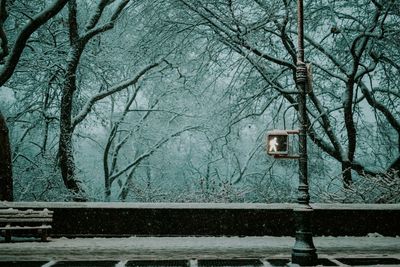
x: 186, y: 248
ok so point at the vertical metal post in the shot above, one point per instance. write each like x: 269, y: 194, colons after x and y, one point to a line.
x: 303, y: 252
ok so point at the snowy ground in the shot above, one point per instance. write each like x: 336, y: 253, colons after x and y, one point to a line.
x: 135, y: 248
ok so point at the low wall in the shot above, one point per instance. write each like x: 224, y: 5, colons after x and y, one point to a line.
x: 213, y: 219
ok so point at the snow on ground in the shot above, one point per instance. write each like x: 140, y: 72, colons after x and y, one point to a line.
x: 191, y: 247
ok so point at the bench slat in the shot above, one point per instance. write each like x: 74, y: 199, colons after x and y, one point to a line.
x: 27, y: 214
x: 18, y: 220
x: 14, y: 211
x: 24, y: 216
x: 25, y: 227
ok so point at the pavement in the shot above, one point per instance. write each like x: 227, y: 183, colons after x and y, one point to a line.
x: 195, y: 251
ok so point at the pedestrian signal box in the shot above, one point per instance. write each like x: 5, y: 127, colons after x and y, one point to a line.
x: 278, y: 143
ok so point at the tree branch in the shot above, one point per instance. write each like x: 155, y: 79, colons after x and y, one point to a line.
x: 3, y: 37
x: 24, y: 35
x: 150, y: 152
x: 97, y: 14
x: 114, y: 89
x: 73, y: 24
x: 109, y: 25
x: 379, y: 106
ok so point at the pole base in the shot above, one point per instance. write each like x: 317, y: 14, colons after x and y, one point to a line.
x: 304, y: 252
x: 305, y: 257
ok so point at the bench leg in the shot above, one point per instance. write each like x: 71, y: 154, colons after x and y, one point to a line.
x: 43, y: 235
x: 7, y: 235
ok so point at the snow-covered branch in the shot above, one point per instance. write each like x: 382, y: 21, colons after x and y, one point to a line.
x: 150, y: 151
x: 112, y: 90
x: 93, y: 31
x: 20, y: 43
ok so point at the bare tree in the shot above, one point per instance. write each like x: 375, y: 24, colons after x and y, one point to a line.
x: 78, y: 42
x: 263, y: 34
x: 231, y: 69
x: 9, y: 59
x: 6, y: 182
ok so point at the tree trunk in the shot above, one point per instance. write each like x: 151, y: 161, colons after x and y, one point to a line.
x: 346, y: 174
x: 66, y: 157
x: 351, y: 133
x: 6, y: 179
x: 66, y: 152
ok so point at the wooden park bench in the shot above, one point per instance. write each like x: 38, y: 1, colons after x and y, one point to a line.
x: 29, y: 221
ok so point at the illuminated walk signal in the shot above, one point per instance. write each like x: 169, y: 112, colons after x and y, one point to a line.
x: 277, y: 143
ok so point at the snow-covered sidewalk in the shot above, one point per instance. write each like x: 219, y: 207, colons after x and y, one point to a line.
x: 133, y: 248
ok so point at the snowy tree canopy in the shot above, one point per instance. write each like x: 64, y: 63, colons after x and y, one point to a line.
x: 171, y: 100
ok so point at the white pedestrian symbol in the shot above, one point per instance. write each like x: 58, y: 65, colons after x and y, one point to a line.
x: 273, y: 143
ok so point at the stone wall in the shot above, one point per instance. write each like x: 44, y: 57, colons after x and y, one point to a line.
x: 213, y: 219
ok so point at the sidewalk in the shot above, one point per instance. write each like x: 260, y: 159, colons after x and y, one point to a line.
x: 186, y: 248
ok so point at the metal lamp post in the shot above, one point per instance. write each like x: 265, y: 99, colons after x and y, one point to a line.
x: 303, y: 252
